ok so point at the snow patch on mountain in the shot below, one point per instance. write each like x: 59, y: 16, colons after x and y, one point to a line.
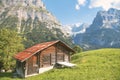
x: 74, y: 29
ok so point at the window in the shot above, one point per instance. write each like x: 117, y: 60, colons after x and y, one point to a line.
x: 35, y: 60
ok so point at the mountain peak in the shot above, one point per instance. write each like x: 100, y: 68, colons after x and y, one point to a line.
x: 112, y: 10
x: 106, y: 19
x: 103, y: 32
x: 28, y: 10
x: 37, y: 3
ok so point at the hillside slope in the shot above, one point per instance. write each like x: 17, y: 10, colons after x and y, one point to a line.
x: 102, y: 64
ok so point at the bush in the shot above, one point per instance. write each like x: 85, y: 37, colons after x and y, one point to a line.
x: 77, y: 49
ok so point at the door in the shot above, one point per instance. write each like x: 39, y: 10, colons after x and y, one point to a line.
x: 46, y: 60
x: 53, y: 59
x: 60, y: 57
x: 32, y: 65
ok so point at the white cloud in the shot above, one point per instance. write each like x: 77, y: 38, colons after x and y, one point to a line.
x: 105, y: 4
x: 77, y: 7
x: 80, y: 3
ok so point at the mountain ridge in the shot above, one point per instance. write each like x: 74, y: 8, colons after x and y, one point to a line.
x: 103, y: 32
x: 31, y: 19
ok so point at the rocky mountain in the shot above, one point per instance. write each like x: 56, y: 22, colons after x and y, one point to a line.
x: 32, y: 20
x: 103, y: 32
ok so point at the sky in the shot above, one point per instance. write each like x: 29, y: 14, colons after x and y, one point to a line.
x: 78, y: 11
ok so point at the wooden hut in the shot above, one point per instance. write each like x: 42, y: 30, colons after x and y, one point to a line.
x: 43, y: 55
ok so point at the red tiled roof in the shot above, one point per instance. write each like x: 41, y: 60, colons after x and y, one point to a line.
x: 30, y: 51
x: 22, y: 56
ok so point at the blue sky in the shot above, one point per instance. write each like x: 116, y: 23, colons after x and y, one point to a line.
x: 77, y: 11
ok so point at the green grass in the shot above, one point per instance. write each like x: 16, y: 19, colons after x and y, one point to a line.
x: 102, y: 64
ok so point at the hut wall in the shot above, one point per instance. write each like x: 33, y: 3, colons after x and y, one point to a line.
x: 20, y: 69
x: 32, y: 65
x: 62, y: 54
x: 53, y: 54
x: 47, y: 57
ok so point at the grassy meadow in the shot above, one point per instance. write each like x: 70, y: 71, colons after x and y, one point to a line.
x: 102, y: 64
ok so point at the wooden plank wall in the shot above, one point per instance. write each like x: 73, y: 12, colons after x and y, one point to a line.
x: 47, y: 57
x: 53, y: 54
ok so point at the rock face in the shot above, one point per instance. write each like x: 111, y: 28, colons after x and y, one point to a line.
x: 103, y: 32
x: 27, y: 11
x: 32, y: 19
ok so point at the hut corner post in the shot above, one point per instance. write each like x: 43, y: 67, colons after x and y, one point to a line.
x: 26, y: 69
